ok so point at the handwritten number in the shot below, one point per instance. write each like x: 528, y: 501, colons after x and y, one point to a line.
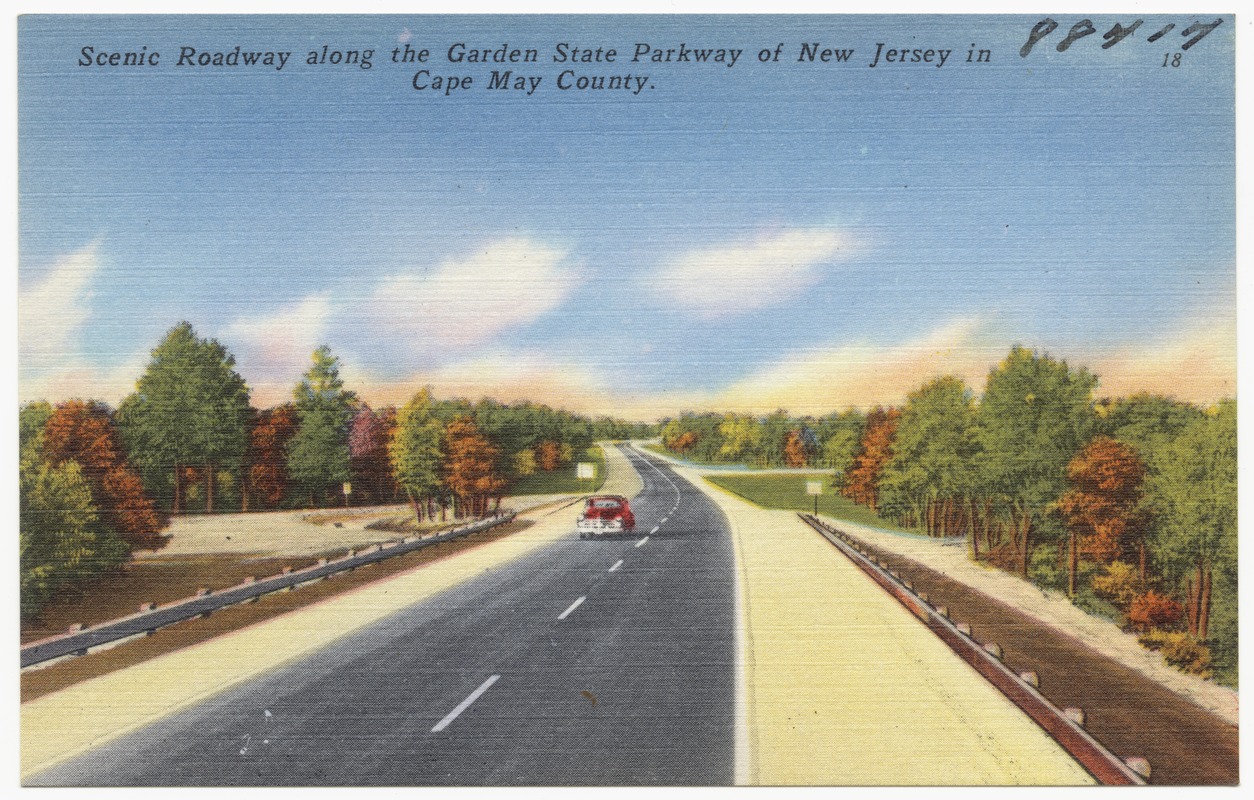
x: 1173, y: 60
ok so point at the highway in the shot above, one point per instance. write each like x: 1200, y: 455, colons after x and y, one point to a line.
x: 581, y: 663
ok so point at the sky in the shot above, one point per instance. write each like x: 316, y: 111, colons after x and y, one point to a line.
x: 771, y: 234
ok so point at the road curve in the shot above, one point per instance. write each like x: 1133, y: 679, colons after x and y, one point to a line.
x: 579, y: 663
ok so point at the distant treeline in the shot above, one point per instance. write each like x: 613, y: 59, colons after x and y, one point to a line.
x: 99, y: 483
x: 1128, y: 504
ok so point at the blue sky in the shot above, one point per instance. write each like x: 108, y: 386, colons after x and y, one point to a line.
x: 771, y: 234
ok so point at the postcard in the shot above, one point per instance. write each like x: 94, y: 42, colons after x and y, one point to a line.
x: 668, y: 400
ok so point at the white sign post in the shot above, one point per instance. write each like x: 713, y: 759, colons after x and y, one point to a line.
x: 815, y: 488
x: 348, y: 489
x: 585, y: 471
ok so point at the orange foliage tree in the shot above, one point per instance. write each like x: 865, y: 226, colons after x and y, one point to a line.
x: 548, y: 455
x: 83, y: 432
x: 266, y: 474
x: 876, y: 447
x: 471, y: 466
x: 1102, y: 505
x: 796, y: 454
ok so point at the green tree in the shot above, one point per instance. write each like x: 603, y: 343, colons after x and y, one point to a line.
x: 31, y: 420
x: 60, y: 537
x: 929, y: 473
x: 1193, y: 491
x: 415, y: 452
x: 741, y: 435
x: 1035, y: 415
x: 318, y: 455
x: 190, y: 409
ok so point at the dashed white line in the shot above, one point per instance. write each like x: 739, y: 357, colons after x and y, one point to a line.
x: 639, y: 544
x: 617, y: 564
x: 655, y: 529
x: 573, y: 606
x: 465, y: 704
x: 665, y: 518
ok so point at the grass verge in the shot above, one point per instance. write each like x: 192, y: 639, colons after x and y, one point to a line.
x: 789, y: 492
x: 562, y: 480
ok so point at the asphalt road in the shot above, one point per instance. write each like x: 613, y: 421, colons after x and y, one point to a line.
x: 587, y: 662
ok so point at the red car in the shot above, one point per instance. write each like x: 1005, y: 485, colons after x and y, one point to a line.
x: 606, y: 515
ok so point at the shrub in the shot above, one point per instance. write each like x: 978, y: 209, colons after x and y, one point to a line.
x: 1153, y: 610
x: 1180, y: 650
x: 1186, y: 653
x: 1120, y: 584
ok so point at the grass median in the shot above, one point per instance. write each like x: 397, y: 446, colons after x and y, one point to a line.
x: 788, y: 492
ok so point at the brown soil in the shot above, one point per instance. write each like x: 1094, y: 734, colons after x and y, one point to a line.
x: 1127, y: 712
x: 184, y: 572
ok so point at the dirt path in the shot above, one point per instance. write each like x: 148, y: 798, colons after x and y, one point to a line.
x: 1129, y: 713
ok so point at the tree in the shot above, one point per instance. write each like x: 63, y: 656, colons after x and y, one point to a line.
x: 741, y: 436
x: 796, y: 450
x: 415, y: 452
x: 31, y: 419
x: 84, y: 433
x: 1035, y: 415
x: 266, y: 476
x: 470, y: 466
x: 548, y: 455
x: 368, y: 437
x: 875, y: 448
x: 929, y: 473
x: 60, y: 537
x: 1193, y: 491
x: 318, y: 455
x: 190, y: 408
x: 1102, y: 505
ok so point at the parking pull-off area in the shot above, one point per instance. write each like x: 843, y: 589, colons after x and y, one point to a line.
x: 844, y: 687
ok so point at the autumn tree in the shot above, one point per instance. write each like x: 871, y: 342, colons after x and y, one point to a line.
x: 318, y: 455
x: 1035, y: 415
x: 84, y: 432
x: 684, y: 442
x: 1102, y: 505
x: 368, y: 435
x: 190, y: 409
x: 470, y: 466
x: 415, y: 452
x: 548, y: 455
x: 797, y: 450
x: 875, y: 448
x: 266, y: 477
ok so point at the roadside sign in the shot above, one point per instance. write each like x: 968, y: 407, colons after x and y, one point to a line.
x: 585, y: 470
x: 348, y: 488
x: 814, y: 487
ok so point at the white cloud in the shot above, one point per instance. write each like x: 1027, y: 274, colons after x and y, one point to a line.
x: 764, y: 271
x: 827, y: 378
x: 1197, y: 363
x: 51, y: 313
x: 271, y: 352
x: 465, y: 302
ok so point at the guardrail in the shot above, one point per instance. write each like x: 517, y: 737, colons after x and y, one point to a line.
x: 1066, y: 726
x: 150, y: 618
